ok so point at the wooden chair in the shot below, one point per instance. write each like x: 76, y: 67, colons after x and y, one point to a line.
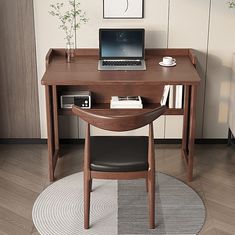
x: 119, y: 157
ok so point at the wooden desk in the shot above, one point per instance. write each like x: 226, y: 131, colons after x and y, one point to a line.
x: 82, y: 74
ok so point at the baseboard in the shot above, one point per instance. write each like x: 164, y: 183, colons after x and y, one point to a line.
x: 81, y: 141
x: 197, y: 141
x: 167, y: 141
x: 211, y: 141
x: 38, y: 141
x: 23, y: 141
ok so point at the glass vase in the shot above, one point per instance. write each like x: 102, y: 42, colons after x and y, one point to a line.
x: 70, y: 52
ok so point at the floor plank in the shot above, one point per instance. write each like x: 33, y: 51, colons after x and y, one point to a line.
x: 15, y: 220
x: 10, y: 229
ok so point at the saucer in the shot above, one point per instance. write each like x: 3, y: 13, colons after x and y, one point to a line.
x: 167, y: 65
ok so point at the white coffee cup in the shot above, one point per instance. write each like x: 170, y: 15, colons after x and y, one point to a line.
x: 167, y: 60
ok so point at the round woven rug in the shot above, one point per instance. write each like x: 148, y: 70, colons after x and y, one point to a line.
x: 118, y: 207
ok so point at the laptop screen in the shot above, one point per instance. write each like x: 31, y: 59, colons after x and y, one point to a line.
x: 121, y: 43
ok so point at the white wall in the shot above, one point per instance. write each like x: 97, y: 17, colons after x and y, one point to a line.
x: 188, y: 27
x: 220, y: 49
x: 232, y: 100
x: 182, y: 23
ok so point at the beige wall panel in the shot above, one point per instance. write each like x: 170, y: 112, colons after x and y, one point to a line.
x: 158, y: 130
x: 154, y: 21
x: 221, y: 48
x: 48, y: 35
x: 232, y: 99
x: 19, y: 116
x: 174, y: 126
x: 188, y: 27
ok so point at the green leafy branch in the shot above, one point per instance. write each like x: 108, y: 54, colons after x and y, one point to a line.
x: 70, y: 19
x: 231, y: 4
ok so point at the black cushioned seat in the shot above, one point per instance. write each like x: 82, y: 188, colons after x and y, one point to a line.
x: 119, y: 153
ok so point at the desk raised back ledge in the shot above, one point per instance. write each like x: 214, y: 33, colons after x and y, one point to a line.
x: 82, y: 74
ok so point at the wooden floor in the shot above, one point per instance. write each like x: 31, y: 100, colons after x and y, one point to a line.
x: 23, y: 175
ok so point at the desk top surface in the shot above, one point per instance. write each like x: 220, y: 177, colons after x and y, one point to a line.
x: 83, y: 70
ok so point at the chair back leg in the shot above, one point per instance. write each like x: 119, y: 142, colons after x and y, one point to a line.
x: 147, y: 184
x: 151, y: 178
x: 151, y: 199
x: 90, y: 185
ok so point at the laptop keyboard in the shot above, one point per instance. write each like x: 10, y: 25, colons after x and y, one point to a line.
x: 122, y: 63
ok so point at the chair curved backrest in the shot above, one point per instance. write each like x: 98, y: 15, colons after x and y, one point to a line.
x: 99, y: 165
x: 115, y: 121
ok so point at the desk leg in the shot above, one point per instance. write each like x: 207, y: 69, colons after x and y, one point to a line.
x: 189, y: 128
x: 192, y: 125
x: 51, y: 140
x: 186, y: 123
x: 55, y: 112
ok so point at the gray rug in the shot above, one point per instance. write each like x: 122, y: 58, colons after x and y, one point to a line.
x: 179, y: 209
x: 118, y: 207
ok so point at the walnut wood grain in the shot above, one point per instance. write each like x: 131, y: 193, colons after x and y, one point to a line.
x: 101, y: 93
x: 61, y: 73
x: 55, y: 117
x: 192, y: 124
x: 114, y: 121
x: 186, y: 121
x: 104, y: 106
x: 148, y: 52
x: 82, y: 74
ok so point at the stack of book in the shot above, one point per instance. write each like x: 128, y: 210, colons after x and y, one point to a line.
x: 126, y: 102
x: 176, y: 96
x: 165, y: 94
x: 173, y: 96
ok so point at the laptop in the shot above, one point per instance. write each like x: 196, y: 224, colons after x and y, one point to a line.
x: 121, y: 49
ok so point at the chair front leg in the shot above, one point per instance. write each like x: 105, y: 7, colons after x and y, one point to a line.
x: 87, y: 179
x: 87, y: 187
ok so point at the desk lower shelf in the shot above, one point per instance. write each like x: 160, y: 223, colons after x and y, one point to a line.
x: 103, y: 107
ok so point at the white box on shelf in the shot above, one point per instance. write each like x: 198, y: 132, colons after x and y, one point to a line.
x: 126, y: 102
x: 127, y: 106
